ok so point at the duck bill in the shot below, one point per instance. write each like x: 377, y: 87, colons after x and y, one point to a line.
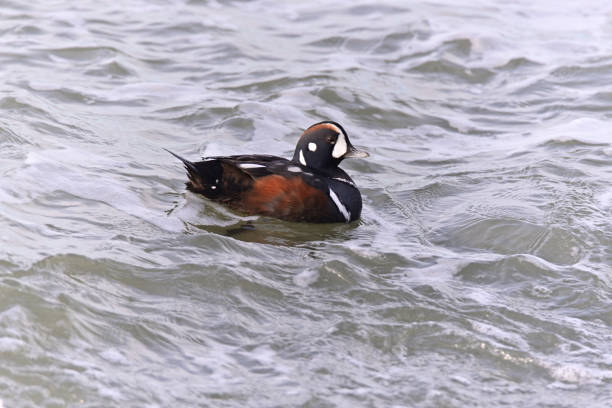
x: 355, y: 153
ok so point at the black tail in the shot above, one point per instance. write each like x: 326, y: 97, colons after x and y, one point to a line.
x: 204, y: 176
x: 188, y: 165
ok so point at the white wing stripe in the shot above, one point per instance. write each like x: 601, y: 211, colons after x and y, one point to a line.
x: 250, y: 165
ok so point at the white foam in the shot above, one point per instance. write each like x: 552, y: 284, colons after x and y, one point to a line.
x: 10, y: 345
x: 114, y: 356
x: 306, y: 278
x: 605, y: 198
x: 585, y: 130
x: 573, y: 373
x: 500, y: 334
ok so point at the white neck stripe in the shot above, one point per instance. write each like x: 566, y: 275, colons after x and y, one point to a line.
x: 339, y: 205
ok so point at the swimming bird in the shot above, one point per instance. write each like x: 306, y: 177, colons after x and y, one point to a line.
x: 308, y: 188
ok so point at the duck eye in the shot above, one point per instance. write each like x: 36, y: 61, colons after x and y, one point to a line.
x: 331, y: 140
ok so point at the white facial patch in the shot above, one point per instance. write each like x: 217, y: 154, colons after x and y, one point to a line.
x: 341, y: 147
x: 302, y: 159
x: 312, y: 147
x: 294, y: 169
x: 250, y: 165
x: 341, y: 207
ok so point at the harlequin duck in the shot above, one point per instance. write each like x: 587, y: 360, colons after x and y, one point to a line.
x: 308, y: 188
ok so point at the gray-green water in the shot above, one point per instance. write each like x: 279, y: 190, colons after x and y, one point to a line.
x: 480, y: 274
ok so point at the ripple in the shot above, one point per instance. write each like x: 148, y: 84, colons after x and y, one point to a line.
x: 449, y: 71
x: 479, y: 272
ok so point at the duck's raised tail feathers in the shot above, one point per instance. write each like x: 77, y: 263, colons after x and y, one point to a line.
x: 203, y: 176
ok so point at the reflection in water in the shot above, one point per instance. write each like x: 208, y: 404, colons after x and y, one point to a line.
x: 270, y: 231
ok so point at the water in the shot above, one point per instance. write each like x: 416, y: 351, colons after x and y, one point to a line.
x: 479, y: 275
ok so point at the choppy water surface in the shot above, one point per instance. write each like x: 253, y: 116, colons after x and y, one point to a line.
x: 480, y: 274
